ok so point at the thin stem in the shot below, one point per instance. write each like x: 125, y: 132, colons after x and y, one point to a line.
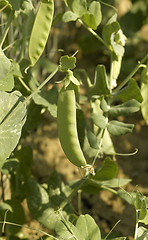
x: 94, y: 34
x: 38, y: 230
x: 136, y: 227
x: 2, y: 39
x: 79, y: 202
x: 140, y: 64
x: 83, y: 180
x: 24, y: 84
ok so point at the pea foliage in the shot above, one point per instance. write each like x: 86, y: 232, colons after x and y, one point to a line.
x: 26, y: 29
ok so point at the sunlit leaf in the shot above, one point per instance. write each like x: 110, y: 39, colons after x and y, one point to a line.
x: 69, y: 16
x: 12, y: 118
x: 144, y: 105
x: 88, y: 228
x: 117, y: 128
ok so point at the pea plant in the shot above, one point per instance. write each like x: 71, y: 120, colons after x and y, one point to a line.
x: 85, y: 138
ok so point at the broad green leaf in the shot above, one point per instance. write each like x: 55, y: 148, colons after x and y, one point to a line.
x: 95, y: 10
x: 126, y: 108
x: 131, y: 91
x: 66, y: 230
x: 88, y: 228
x: 143, y: 211
x: 12, y: 118
x: 144, y: 105
x: 100, y: 86
x: 67, y: 63
x: 89, y: 20
x: 99, y: 120
x: 4, y: 65
x: 108, y: 170
x: 39, y: 205
x: 79, y: 7
x: 142, y: 233
x: 93, y: 186
x: 15, y: 214
x: 15, y: 4
x: 117, y: 128
x: 69, y: 16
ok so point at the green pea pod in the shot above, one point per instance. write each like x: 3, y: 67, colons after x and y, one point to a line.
x: 41, y: 29
x: 67, y: 126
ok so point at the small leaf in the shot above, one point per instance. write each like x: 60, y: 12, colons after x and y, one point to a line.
x: 117, y: 128
x: 70, y: 78
x: 99, y: 120
x: 100, y: 86
x: 108, y: 30
x: 89, y: 20
x: 131, y: 91
x: 67, y: 63
x: 95, y: 9
x: 107, y: 144
x: 88, y: 228
x: 107, y: 171
x: 79, y: 7
x: 69, y: 16
x: 126, y: 108
x: 92, y: 139
x: 104, y: 106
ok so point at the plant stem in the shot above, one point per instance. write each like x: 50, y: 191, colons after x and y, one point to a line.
x: 79, y: 202
x: 131, y: 74
x: 136, y: 227
x: 94, y: 34
x: 24, y: 84
x: 81, y: 183
x: 3, y: 37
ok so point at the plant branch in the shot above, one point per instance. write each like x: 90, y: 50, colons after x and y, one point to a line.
x: 139, y: 65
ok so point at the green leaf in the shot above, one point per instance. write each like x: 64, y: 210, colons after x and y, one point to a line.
x: 67, y: 63
x: 6, y: 76
x: 79, y: 7
x: 142, y: 233
x: 116, y: 182
x: 15, y: 4
x: 108, y: 30
x: 131, y: 91
x: 145, y: 219
x: 47, y: 99
x: 89, y: 20
x: 128, y: 197
x: 92, y: 139
x: 66, y: 230
x: 104, y: 106
x: 14, y: 215
x: 88, y: 228
x: 107, y: 144
x: 39, y: 205
x: 117, y: 128
x: 9, y: 165
x: 95, y: 10
x: 108, y: 170
x: 126, y: 108
x: 70, y: 78
x: 144, y: 105
x: 99, y: 120
x: 69, y: 16
x: 100, y: 86
x: 12, y: 118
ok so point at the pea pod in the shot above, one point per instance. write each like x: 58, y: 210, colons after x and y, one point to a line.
x: 67, y: 126
x: 41, y: 29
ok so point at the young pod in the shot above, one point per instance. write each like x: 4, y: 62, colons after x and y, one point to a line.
x: 67, y: 126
